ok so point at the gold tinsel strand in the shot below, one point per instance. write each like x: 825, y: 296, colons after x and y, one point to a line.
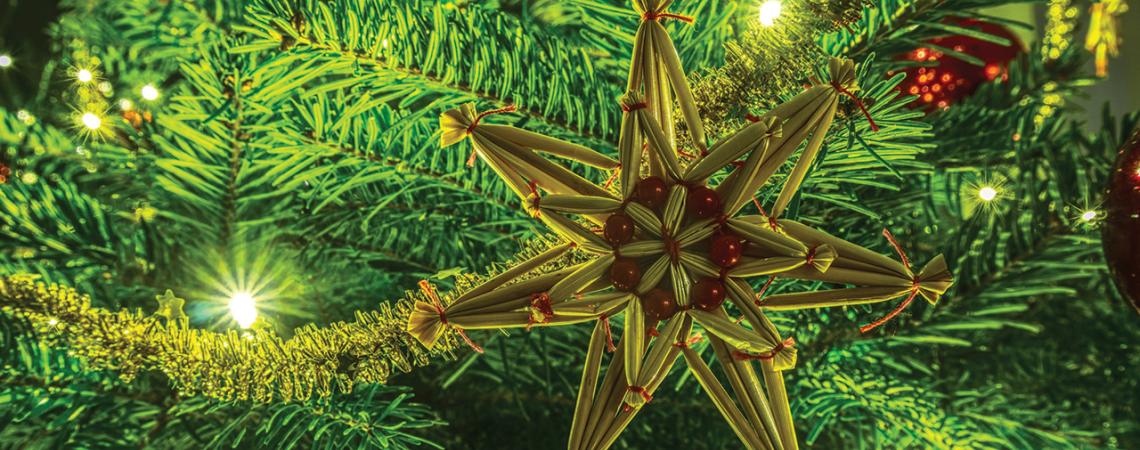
x: 258, y: 366
x: 765, y: 61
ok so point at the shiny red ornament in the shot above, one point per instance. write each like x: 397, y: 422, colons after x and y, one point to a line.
x: 707, y: 294
x: 652, y: 192
x: 625, y: 274
x: 618, y: 229
x: 946, y: 79
x: 1120, y: 232
x: 725, y: 250
x: 659, y: 304
x: 703, y: 202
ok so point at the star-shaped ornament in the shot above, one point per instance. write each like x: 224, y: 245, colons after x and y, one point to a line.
x: 170, y: 307
x: 665, y: 249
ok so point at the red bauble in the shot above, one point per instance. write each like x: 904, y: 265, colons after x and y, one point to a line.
x: 652, y: 192
x: 725, y: 250
x: 707, y: 294
x: 1121, y: 231
x: 625, y: 274
x: 703, y: 202
x: 659, y: 304
x: 618, y: 229
x: 952, y: 79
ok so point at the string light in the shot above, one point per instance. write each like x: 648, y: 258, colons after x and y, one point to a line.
x: 5, y: 61
x: 769, y: 12
x: 243, y: 308
x: 1088, y: 216
x: 149, y: 93
x: 91, y: 121
x: 987, y: 193
x: 84, y: 76
x: 126, y: 104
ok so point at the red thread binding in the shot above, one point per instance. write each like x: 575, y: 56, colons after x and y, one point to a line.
x: 541, y: 302
x: 763, y: 289
x: 689, y: 342
x: 915, y: 285
x: 858, y: 102
x: 474, y: 123
x: 634, y: 107
x: 430, y: 292
x: 766, y: 356
x: 654, y: 15
x: 610, y: 347
x: 613, y: 176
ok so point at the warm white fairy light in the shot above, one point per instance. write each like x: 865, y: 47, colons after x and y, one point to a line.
x: 126, y: 104
x: 1088, y: 216
x: 91, y: 121
x: 84, y: 76
x: 987, y: 193
x: 243, y: 308
x: 149, y: 93
x: 5, y: 61
x: 53, y: 322
x: 769, y: 12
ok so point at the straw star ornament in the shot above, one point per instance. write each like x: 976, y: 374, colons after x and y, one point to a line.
x: 664, y: 250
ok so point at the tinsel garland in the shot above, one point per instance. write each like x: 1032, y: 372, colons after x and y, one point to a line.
x: 256, y: 365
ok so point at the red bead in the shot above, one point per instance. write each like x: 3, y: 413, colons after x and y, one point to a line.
x: 725, y: 250
x: 618, y: 229
x: 707, y: 294
x: 659, y: 304
x: 703, y: 203
x: 1120, y: 232
x: 652, y: 192
x: 625, y: 274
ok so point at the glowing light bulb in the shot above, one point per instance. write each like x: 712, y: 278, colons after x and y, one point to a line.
x: 91, y: 121
x: 5, y: 61
x: 987, y: 193
x: 84, y: 76
x: 769, y: 12
x: 149, y: 93
x: 243, y: 308
x: 1088, y: 216
x: 53, y: 322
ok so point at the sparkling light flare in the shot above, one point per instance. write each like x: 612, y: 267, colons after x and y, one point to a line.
x: 243, y: 309
x: 769, y: 12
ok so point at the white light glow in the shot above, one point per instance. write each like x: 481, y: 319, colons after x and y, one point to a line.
x: 243, y: 308
x: 84, y: 76
x: 149, y: 93
x: 92, y: 121
x: 126, y: 105
x: 987, y: 193
x: 1088, y: 216
x: 5, y: 61
x: 769, y: 12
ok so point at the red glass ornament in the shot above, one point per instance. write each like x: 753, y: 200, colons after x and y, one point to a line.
x: 703, y: 202
x: 618, y: 229
x: 1120, y: 232
x: 707, y: 294
x: 725, y: 250
x: 951, y: 79
x: 659, y: 304
x: 625, y: 274
x: 652, y: 192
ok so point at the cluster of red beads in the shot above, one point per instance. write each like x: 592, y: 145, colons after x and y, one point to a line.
x: 725, y: 249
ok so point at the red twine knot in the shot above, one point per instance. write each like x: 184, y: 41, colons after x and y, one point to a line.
x: 475, y: 123
x: 915, y: 286
x: 610, y: 347
x: 540, y: 303
x: 644, y: 393
x: 656, y: 16
x: 689, y: 342
x: 763, y: 289
x: 811, y: 255
x: 766, y: 356
x: 858, y: 102
x: 435, y: 301
x: 634, y: 107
